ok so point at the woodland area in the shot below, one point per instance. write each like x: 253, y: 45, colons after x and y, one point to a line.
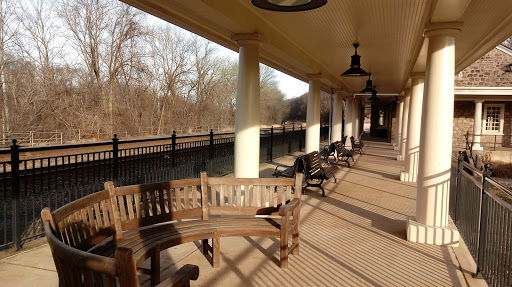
x: 100, y: 64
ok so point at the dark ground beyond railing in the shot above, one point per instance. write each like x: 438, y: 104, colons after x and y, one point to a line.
x: 481, y: 209
x: 28, y: 185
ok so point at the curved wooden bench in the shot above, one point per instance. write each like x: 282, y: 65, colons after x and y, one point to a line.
x: 148, y: 218
x: 76, y: 267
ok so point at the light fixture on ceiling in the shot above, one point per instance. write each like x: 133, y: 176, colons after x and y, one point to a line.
x: 355, y: 66
x: 369, y: 85
x: 374, y: 98
x: 289, y: 5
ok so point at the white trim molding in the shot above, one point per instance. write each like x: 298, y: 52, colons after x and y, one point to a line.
x: 501, y: 116
x: 504, y: 49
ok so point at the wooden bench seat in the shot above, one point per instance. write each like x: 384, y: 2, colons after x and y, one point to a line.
x: 146, y: 219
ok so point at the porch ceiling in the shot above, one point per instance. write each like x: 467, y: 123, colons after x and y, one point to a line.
x: 390, y: 33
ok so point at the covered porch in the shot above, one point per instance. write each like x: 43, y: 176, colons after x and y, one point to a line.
x: 353, y: 237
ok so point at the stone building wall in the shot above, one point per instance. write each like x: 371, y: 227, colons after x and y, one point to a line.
x: 463, y: 119
x: 487, y: 71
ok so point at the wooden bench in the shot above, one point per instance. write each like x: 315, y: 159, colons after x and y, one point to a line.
x: 342, y: 153
x: 314, y: 173
x: 146, y: 219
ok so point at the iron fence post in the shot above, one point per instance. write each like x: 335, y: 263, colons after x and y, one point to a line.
x: 173, y: 149
x: 300, y: 139
x: 494, y: 142
x: 271, y: 142
x: 115, y: 158
x: 485, y: 185
x: 15, y: 194
x: 292, y: 137
x: 211, y: 144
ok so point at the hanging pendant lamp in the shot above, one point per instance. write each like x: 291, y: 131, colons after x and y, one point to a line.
x: 289, y: 5
x: 369, y: 85
x: 374, y: 98
x: 355, y: 66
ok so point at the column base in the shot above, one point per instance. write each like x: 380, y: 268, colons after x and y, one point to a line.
x: 420, y: 233
x: 478, y: 148
x: 408, y: 177
x: 400, y: 157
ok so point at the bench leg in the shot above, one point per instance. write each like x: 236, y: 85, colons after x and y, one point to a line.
x: 216, y: 250
x: 204, y: 246
x: 323, y: 191
x: 295, y: 240
x: 155, y: 267
x: 284, y: 249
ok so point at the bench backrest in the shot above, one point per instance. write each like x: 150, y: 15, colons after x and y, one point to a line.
x: 80, y: 268
x: 146, y: 204
x: 312, y: 163
x: 340, y: 148
x: 247, y: 196
x: 85, y: 222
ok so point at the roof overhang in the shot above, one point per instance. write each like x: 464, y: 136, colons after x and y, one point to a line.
x: 390, y: 34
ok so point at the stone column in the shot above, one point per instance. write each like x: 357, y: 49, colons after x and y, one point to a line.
x: 398, y: 132
x: 433, y: 184
x: 405, y: 121
x: 313, y: 115
x: 247, y: 116
x: 356, y: 115
x: 337, y: 116
x: 413, y: 130
x: 348, y: 119
x: 477, y: 125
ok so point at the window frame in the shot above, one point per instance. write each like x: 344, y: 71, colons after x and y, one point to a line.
x: 501, y: 119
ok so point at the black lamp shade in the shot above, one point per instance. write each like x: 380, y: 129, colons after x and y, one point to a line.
x: 289, y: 5
x: 355, y: 66
x: 369, y: 85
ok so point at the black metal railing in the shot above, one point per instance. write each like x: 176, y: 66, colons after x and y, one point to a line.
x: 481, y: 209
x: 489, y: 141
x: 29, y: 184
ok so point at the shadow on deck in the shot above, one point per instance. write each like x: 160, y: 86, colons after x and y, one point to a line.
x: 353, y: 237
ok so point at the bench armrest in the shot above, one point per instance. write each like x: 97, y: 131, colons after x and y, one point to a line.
x: 181, y: 277
x: 284, y: 209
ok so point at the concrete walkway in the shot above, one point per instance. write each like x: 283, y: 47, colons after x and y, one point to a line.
x: 353, y: 237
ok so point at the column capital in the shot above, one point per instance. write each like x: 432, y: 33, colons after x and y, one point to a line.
x: 417, y: 75
x: 479, y: 101
x: 338, y: 91
x: 405, y: 92
x: 249, y: 38
x: 316, y: 76
x: 443, y: 29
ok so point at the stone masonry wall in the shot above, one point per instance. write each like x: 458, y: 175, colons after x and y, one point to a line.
x: 487, y: 71
x: 463, y: 123
x: 463, y: 118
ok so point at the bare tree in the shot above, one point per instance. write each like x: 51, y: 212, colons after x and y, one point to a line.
x: 170, y: 52
x: 103, y: 33
x: 8, y: 33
